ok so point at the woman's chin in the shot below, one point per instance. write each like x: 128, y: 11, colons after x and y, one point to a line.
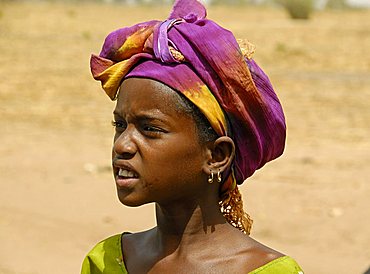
x: 130, y: 200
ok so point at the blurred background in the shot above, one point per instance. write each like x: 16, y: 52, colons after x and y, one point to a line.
x: 57, y: 195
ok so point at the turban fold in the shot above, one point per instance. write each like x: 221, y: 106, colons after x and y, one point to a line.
x: 203, y: 61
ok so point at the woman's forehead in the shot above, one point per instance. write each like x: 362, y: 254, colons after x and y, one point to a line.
x: 140, y: 94
x: 145, y: 83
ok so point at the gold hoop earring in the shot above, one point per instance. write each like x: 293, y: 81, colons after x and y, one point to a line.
x: 219, y: 178
x: 210, y: 177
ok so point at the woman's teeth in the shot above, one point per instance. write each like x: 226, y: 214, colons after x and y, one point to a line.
x: 126, y: 173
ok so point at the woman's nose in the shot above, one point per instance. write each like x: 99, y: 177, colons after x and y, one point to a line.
x: 124, y: 145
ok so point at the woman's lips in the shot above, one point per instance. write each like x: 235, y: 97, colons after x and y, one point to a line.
x: 123, y: 182
x: 122, y: 172
x: 125, y: 174
x: 126, y: 178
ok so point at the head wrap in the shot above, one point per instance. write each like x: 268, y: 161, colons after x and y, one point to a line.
x: 204, y: 62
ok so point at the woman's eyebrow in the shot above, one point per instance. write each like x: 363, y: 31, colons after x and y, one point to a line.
x: 151, y: 117
x: 156, y: 116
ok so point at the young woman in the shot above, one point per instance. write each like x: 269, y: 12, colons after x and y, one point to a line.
x: 195, y: 116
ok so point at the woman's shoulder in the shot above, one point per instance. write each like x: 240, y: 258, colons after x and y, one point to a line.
x: 105, y: 256
x: 281, y: 265
x: 267, y: 260
x: 109, y: 244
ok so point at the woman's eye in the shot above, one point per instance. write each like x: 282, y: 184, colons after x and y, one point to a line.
x: 119, y: 124
x: 151, y: 130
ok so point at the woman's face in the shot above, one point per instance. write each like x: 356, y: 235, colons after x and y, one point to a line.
x: 157, y: 156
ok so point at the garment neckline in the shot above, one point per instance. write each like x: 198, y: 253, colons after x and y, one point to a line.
x: 269, y: 264
x: 123, y: 265
x: 120, y: 252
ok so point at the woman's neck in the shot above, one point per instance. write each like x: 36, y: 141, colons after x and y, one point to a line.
x: 188, y: 226
x: 194, y: 235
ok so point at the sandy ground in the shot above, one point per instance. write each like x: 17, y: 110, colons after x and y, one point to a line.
x: 57, y: 196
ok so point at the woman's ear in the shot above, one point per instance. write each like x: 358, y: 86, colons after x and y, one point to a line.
x: 222, y: 152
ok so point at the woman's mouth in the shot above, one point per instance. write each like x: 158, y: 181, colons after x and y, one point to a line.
x: 125, y: 173
x: 126, y: 179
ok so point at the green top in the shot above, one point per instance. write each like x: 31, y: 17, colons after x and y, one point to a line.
x: 106, y: 258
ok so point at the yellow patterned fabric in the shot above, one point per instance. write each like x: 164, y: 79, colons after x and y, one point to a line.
x: 106, y: 258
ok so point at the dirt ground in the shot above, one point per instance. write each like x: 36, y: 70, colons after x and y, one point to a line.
x: 57, y: 196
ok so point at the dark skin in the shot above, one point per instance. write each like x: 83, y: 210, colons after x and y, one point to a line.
x: 159, y: 146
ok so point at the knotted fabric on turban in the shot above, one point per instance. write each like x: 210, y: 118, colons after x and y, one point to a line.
x: 203, y: 61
